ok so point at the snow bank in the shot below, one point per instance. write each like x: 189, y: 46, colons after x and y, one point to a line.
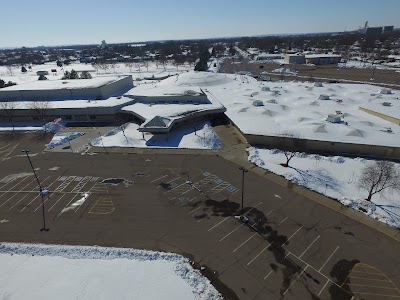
x: 62, y: 138
x: 196, y: 136
x: 69, y: 272
x: 333, y: 176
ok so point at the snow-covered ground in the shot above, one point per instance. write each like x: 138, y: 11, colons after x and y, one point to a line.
x: 21, y: 126
x: 62, y: 138
x: 120, y: 69
x: 333, y: 176
x: 30, y: 271
x: 197, y: 136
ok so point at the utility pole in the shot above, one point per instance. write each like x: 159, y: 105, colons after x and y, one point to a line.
x: 243, y: 171
x: 42, y: 191
x: 101, y: 139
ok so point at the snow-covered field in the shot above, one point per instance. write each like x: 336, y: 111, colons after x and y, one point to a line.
x: 333, y: 176
x: 35, y: 271
x: 198, y: 136
x: 120, y: 69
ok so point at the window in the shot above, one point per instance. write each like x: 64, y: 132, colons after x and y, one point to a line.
x: 69, y: 117
x: 92, y: 117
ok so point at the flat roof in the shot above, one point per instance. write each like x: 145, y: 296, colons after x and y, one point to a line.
x: 322, y: 55
x: 63, y: 84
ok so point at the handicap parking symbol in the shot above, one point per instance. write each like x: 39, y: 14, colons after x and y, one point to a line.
x: 231, y: 189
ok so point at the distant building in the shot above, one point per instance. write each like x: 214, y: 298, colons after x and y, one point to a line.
x: 322, y: 59
x: 103, y: 44
x: 294, y: 59
x: 40, y: 73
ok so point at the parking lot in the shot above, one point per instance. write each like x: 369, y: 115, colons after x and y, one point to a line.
x: 290, y: 248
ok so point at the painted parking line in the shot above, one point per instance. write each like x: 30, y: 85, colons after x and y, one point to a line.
x: 10, y: 198
x: 237, y: 248
x: 169, y: 181
x: 269, y: 244
x: 159, y: 178
x: 15, y: 204
x: 294, y: 281
x: 37, y: 196
x: 320, y: 292
x: 293, y: 234
x: 62, y: 196
x: 193, y: 210
x: 65, y: 183
x: 304, y: 252
x: 328, y: 259
x: 232, y: 232
x: 270, y: 272
x: 218, y: 223
x: 185, y: 203
x: 10, y: 189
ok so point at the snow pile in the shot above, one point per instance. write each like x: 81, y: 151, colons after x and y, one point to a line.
x: 53, y: 127
x: 285, y: 70
x: 333, y: 176
x: 62, y: 138
x: 77, y: 272
x: 21, y: 126
x: 195, y: 136
x: 210, y: 139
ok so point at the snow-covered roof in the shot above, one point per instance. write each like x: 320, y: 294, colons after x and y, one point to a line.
x: 377, y: 106
x: 63, y: 84
x: 322, y: 55
x: 110, y: 102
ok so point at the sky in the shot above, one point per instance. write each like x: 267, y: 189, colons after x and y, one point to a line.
x: 52, y: 22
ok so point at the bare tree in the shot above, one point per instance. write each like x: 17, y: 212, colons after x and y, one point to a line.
x: 113, y: 65
x: 291, y: 143
x: 129, y: 65
x: 7, y: 109
x: 10, y: 70
x: 138, y: 65
x: 41, y: 108
x: 379, y: 176
x: 96, y: 66
x: 146, y: 64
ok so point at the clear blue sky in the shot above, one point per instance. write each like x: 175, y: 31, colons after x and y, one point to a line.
x: 54, y: 22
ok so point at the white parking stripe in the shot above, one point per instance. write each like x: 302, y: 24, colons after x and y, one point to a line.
x: 294, y: 281
x: 268, y: 274
x: 294, y: 234
x: 218, y: 224
x: 232, y: 232
x: 185, y: 203
x: 328, y: 259
x: 158, y: 178
x: 193, y: 210
x: 16, y: 193
x: 269, y: 244
x: 320, y: 292
x: 237, y: 248
x: 304, y: 252
x: 57, y: 202
x: 18, y: 201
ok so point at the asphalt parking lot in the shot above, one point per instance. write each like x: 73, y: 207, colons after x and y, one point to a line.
x: 290, y: 248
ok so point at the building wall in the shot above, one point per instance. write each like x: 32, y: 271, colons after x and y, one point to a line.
x: 121, y: 85
x: 323, y: 60
x: 202, y: 99
x: 382, y: 116
x: 328, y: 148
x: 294, y: 59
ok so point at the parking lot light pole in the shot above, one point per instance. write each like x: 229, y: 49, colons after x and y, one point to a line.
x: 42, y: 191
x: 101, y: 139
x: 243, y: 171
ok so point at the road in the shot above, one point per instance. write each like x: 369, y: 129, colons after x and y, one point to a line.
x: 291, y: 248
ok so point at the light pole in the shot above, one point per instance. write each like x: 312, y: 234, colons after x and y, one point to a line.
x: 101, y: 139
x: 42, y: 192
x: 243, y: 171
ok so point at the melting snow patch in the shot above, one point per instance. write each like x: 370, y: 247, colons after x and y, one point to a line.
x: 76, y: 204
